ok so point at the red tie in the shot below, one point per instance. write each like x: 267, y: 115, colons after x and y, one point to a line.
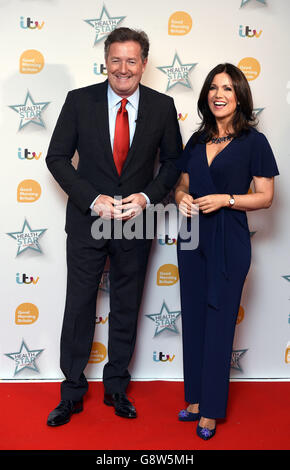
x: 121, y: 139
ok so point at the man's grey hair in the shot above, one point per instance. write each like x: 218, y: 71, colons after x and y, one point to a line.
x: 127, y: 34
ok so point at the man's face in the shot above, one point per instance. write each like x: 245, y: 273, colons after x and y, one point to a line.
x: 125, y: 67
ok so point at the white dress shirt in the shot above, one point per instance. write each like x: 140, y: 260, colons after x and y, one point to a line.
x: 114, y: 103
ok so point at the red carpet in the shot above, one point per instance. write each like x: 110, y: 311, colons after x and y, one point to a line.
x: 258, y: 419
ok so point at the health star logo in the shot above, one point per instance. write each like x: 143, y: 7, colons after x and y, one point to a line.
x: 27, y: 238
x: 30, y: 111
x: 104, y: 25
x: 244, y: 2
x: 25, y: 358
x: 236, y: 356
x: 177, y: 73
x: 164, y: 320
x: 257, y: 111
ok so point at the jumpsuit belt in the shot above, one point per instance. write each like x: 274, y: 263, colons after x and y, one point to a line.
x: 216, y: 260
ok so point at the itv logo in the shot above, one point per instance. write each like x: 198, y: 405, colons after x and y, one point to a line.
x: 24, y: 279
x: 162, y: 357
x: 28, y: 23
x: 182, y: 117
x: 167, y: 240
x: 100, y: 69
x: 24, y: 154
x: 246, y: 32
x: 101, y: 320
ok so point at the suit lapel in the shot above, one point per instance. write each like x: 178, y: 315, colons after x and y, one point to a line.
x: 103, y: 124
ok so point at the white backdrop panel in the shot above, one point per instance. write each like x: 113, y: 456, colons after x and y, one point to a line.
x: 66, y: 56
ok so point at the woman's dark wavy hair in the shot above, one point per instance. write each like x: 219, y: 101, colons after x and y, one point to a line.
x: 243, y: 119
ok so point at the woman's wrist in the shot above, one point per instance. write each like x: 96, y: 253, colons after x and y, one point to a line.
x: 179, y: 196
x: 228, y: 198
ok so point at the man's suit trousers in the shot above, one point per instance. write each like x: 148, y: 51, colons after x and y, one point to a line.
x: 86, y: 260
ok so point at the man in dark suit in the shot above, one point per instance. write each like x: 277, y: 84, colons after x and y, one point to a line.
x: 117, y: 146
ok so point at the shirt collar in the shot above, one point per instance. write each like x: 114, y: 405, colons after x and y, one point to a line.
x: 114, y: 99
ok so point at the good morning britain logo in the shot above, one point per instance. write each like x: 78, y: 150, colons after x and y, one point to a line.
x: 250, y: 67
x: 167, y: 275
x: 28, y: 191
x: 26, y: 314
x: 98, y: 353
x: 287, y: 353
x: 179, y: 23
x: 31, y: 62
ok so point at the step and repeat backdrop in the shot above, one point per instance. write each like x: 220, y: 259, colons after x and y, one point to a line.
x: 49, y: 47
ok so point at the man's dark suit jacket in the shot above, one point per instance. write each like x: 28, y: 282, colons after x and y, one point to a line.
x: 83, y: 125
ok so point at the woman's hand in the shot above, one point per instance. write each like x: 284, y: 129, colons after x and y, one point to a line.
x: 212, y: 202
x: 186, y: 205
x: 184, y: 200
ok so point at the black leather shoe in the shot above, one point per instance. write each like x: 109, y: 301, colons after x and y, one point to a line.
x: 62, y: 413
x: 123, y: 407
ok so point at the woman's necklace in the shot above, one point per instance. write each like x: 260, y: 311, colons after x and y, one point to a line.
x: 218, y: 140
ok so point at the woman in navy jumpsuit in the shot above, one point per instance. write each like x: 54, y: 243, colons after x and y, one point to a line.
x: 218, y: 164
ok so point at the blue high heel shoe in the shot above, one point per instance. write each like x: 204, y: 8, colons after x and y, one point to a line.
x: 205, y: 433
x: 185, y: 415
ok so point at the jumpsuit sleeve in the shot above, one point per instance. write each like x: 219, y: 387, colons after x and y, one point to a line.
x: 263, y: 162
x: 183, y: 160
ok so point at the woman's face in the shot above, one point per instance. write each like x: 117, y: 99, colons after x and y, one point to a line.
x: 222, y: 98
